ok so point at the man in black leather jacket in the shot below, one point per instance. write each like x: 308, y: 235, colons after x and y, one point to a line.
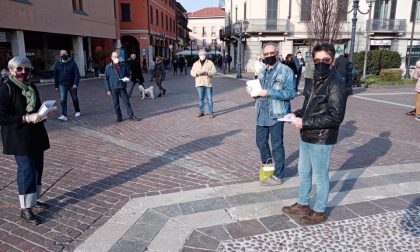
x: 319, y: 119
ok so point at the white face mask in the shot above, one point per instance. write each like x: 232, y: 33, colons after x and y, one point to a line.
x: 299, y: 56
x: 202, y: 57
x: 116, y: 60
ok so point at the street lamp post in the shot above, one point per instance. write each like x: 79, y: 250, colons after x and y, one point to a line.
x: 355, y: 9
x: 407, y: 73
x: 240, y: 29
x: 353, y: 28
x: 367, y: 48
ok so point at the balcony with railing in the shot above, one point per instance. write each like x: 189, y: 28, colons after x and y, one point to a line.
x: 282, y: 26
x: 268, y: 26
x: 387, y: 25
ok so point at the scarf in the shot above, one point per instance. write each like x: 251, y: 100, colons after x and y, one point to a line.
x: 28, y: 92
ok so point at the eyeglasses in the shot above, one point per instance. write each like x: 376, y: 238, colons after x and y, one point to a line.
x: 269, y: 54
x: 324, y: 60
x: 23, y: 69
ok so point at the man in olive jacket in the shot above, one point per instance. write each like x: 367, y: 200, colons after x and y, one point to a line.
x: 319, y: 120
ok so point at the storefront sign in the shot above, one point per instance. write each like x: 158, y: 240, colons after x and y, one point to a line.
x: 415, y: 42
x: 380, y: 42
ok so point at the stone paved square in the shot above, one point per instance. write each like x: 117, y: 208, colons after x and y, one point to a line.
x: 95, y: 166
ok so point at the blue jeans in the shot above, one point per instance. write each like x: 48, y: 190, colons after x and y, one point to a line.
x: 274, y: 132
x: 205, y: 92
x: 29, y: 175
x: 299, y: 75
x: 314, y: 158
x: 64, y: 89
x: 116, y: 93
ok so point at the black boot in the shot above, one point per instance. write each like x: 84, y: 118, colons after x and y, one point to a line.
x: 164, y: 91
x: 160, y: 94
x: 29, y: 216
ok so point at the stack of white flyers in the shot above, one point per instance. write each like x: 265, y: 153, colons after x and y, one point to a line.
x: 287, y: 118
x: 47, y: 107
x: 255, y: 87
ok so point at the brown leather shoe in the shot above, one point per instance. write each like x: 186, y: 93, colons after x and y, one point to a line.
x: 313, y: 218
x: 296, y: 209
x: 200, y: 114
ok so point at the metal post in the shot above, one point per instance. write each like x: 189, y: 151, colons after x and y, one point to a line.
x: 367, y: 48
x: 353, y: 28
x: 239, y: 75
x: 407, y: 73
x: 353, y: 39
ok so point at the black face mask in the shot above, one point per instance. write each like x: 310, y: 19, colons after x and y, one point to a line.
x: 322, y: 69
x: 270, y: 60
x: 65, y: 57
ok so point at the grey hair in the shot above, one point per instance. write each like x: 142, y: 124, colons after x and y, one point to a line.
x: 18, y: 61
x: 276, y: 46
x: 203, y: 51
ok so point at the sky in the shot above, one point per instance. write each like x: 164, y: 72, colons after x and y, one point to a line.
x: 194, y: 5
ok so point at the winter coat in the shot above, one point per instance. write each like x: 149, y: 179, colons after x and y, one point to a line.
x: 20, y: 138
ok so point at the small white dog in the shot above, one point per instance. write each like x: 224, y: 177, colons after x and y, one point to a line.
x: 146, y: 92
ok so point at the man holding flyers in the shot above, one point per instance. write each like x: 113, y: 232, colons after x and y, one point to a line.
x: 272, y: 102
x: 319, y: 120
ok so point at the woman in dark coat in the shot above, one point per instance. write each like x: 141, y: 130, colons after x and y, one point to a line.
x: 23, y: 134
x: 159, y: 75
x: 289, y: 61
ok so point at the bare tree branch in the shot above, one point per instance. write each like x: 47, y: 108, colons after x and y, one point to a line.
x: 322, y: 19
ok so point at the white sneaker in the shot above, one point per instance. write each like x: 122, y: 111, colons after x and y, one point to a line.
x: 271, y: 181
x: 62, y: 118
x: 77, y: 114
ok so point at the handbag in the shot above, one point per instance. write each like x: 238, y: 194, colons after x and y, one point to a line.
x: 266, y: 170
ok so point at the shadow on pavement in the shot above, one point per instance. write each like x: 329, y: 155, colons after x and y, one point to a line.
x: 410, y: 221
x: 372, y: 150
x: 232, y: 109
x: 90, y: 190
x: 347, y: 130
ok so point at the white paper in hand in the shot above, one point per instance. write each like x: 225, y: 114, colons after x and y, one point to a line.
x: 46, y: 107
x: 125, y: 79
x: 287, y: 118
x: 255, y: 86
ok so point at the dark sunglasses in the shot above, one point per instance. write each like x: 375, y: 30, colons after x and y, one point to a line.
x: 21, y: 69
x: 324, y: 60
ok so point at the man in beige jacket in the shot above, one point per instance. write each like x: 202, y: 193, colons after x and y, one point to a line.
x: 203, y: 71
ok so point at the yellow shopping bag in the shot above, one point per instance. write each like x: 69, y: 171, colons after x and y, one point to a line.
x: 266, y: 171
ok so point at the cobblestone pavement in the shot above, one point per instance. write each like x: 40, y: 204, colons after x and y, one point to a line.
x: 382, y: 232
x: 95, y: 166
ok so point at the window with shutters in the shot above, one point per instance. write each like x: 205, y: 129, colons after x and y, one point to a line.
x: 125, y: 12
x: 151, y: 15
x: 415, y: 12
x: 272, y: 8
x: 342, y: 10
x: 78, y: 7
x: 385, y: 9
x: 305, y: 10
